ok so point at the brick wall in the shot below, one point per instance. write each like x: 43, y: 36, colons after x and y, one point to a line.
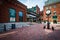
x: 57, y: 9
x: 4, y: 11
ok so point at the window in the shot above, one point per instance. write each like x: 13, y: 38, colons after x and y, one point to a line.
x: 54, y: 17
x: 54, y: 6
x: 12, y: 14
x: 21, y: 16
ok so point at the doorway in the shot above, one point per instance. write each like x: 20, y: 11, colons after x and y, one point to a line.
x: 54, y: 21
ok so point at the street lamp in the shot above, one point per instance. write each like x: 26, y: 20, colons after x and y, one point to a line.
x: 48, y: 12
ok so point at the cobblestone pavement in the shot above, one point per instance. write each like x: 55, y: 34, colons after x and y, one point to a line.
x: 34, y: 32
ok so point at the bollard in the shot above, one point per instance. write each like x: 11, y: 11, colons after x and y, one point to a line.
x: 4, y: 27
x: 13, y: 26
x: 44, y: 27
x: 48, y: 25
x: 52, y: 28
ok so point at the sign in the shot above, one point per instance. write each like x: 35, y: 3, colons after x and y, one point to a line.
x: 12, y: 19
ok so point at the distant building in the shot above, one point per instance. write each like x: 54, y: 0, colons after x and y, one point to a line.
x: 34, y: 14
x: 12, y: 11
x: 41, y: 16
x: 54, y: 7
x: 31, y: 16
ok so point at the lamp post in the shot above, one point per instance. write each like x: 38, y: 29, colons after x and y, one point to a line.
x: 48, y: 12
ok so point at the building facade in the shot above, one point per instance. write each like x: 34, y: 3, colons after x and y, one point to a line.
x: 54, y: 7
x: 31, y: 16
x: 34, y: 13
x: 39, y: 14
x: 12, y: 11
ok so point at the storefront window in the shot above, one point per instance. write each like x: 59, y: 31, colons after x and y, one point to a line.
x: 21, y: 16
x: 12, y: 14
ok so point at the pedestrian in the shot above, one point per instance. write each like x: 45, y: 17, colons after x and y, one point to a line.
x: 52, y: 28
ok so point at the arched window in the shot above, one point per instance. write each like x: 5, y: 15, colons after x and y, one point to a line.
x: 12, y: 14
x: 21, y: 13
x: 21, y: 16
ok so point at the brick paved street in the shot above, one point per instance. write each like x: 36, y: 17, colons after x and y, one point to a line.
x: 35, y: 32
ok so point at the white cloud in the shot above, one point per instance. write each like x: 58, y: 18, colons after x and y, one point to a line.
x: 46, y: 0
x: 30, y: 3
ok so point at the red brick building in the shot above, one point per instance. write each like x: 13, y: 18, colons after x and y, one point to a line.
x: 12, y: 11
x: 37, y: 9
x: 39, y: 13
x: 54, y: 7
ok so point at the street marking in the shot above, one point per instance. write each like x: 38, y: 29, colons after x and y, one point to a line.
x: 5, y: 34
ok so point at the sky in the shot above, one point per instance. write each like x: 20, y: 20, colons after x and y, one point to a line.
x: 32, y: 3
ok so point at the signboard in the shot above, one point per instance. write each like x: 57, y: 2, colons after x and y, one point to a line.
x: 12, y: 19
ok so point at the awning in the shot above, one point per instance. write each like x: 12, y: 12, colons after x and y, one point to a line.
x: 28, y: 15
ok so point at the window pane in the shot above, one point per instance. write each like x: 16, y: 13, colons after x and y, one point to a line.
x: 20, y: 16
x: 54, y: 16
x: 12, y: 14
